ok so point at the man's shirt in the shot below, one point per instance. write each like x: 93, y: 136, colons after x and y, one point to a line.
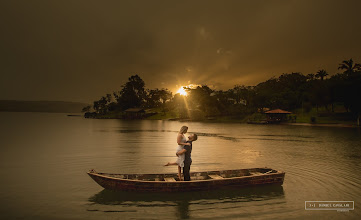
x: 187, y: 154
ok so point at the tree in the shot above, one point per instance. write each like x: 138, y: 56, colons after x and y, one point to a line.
x: 348, y: 86
x: 310, y: 77
x: 285, y: 91
x: 133, y: 93
x: 158, y: 97
x: 153, y: 98
x: 96, y: 106
x: 349, y: 67
x: 103, y: 105
x: 86, y: 109
x: 109, y: 97
x: 202, y: 98
x: 180, y: 103
x: 165, y: 95
x: 238, y: 93
x: 321, y: 74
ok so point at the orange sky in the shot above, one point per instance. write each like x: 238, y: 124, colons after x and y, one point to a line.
x: 81, y: 50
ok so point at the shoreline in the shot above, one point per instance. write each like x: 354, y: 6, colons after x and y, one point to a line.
x: 323, y: 125
x: 340, y: 125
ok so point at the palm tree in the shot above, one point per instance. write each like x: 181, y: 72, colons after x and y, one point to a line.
x: 349, y: 66
x: 310, y: 76
x: 321, y: 74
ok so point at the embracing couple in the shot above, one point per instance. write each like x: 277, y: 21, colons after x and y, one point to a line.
x: 184, y: 151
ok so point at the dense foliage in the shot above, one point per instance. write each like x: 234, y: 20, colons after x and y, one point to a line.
x: 289, y: 91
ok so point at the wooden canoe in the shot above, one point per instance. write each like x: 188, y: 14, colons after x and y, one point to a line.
x: 199, y: 180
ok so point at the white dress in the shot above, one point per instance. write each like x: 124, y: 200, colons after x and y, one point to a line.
x: 180, y: 159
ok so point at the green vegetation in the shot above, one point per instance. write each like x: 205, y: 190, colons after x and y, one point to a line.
x: 316, y: 98
x: 324, y: 116
x: 160, y: 115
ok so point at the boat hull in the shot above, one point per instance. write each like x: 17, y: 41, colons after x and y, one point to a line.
x: 112, y: 182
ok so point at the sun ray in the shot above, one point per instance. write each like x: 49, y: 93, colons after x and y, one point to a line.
x: 182, y: 91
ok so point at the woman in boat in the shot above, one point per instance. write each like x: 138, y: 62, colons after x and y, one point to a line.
x: 187, y: 157
x: 181, y: 141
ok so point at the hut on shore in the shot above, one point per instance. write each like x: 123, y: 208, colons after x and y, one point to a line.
x: 134, y: 113
x: 277, y: 116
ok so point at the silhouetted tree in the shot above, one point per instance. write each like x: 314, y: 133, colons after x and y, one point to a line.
x: 285, y: 91
x: 165, y: 95
x: 238, y: 93
x: 349, y: 67
x: 86, y: 109
x: 310, y: 77
x: 321, y: 74
x: 179, y: 103
x: 153, y: 98
x: 288, y: 91
x: 202, y: 98
x: 96, y: 106
x: 133, y: 93
x: 109, y: 98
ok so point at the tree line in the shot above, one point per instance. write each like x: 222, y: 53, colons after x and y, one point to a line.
x: 133, y: 94
x: 289, y: 91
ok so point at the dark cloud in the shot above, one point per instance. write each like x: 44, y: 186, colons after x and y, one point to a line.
x: 80, y: 50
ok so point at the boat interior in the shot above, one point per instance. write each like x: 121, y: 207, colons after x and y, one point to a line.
x: 173, y: 177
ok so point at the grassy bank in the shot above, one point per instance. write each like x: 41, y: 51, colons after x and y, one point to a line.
x: 162, y: 115
x: 324, y: 116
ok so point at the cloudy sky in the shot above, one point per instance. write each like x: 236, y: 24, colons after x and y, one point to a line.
x: 80, y: 50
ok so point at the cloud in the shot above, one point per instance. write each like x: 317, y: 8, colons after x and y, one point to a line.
x: 80, y: 50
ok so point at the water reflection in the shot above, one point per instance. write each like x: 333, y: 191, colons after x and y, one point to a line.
x: 264, y: 137
x: 320, y: 164
x: 184, y: 203
x: 170, y: 131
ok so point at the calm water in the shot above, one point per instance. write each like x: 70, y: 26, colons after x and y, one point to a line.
x: 44, y: 159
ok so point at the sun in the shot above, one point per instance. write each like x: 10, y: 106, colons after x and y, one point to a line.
x: 181, y: 91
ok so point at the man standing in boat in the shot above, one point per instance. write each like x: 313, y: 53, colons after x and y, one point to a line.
x: 187, y: 159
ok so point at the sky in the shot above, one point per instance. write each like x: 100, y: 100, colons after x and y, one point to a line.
x: 80, y: 50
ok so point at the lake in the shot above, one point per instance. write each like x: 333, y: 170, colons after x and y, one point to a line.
x: 45, y: 156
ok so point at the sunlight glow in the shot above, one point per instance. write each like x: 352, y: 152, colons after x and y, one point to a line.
x: 181, y: 91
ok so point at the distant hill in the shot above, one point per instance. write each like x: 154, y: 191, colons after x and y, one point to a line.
x: 41, y: 106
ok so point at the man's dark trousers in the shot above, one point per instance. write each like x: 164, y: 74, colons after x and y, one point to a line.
x: 186, y: 169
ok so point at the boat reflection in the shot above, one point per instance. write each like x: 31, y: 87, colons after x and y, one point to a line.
x: 183, y: 200
x: 107, y: 197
